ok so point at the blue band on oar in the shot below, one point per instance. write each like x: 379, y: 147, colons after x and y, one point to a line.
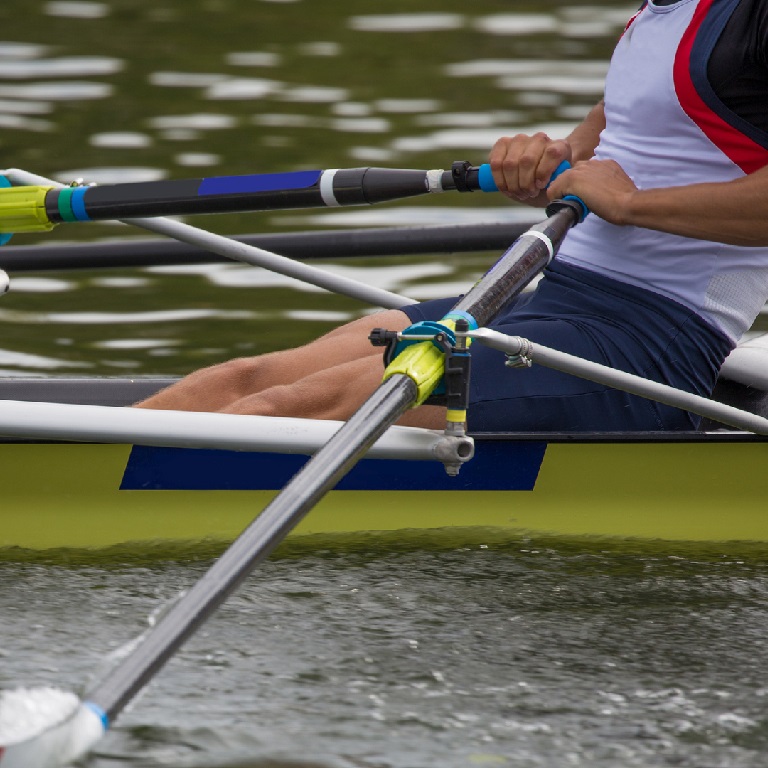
x: 485, y: 179
x: 564, y: 166
x: 77, y: 202
x: 263, y: 182
x: 5, y: 237
x: 460, y: 315
x: 99, y: 712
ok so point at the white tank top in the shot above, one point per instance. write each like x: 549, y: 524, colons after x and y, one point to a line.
x: 663, y: 134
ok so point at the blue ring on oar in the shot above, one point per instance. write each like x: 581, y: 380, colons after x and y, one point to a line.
x: 99, y: 712
x: 77, y: 202
x: 4, y: 236
x: 485, y: 179
x: 455, y: 314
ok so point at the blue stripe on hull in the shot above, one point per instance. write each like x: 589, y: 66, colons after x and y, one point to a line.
x: 497, y: 466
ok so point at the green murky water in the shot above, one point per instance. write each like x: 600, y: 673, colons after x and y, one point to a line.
x: 509, y: 654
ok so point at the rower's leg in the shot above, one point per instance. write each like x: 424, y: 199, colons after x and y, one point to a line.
x: 220, y: 386
x: 331, y: 393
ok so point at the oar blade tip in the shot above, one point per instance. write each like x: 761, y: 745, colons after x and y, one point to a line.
x: 46, y: 728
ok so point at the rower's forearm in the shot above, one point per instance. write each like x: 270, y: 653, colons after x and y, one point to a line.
x: 585, y: 137
x: 732, y: 212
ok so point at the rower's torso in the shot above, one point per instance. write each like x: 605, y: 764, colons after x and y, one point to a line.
x: 666, y: 125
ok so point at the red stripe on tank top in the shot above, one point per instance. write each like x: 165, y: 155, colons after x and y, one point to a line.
x: 745, y: 153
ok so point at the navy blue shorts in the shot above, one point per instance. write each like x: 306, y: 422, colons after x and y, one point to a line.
x: 589, y: 315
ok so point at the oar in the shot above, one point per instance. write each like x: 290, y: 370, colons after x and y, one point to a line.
x: 409, y: 379
x: 40, y: 207
x: 248, y: 254
x: 320, y: 244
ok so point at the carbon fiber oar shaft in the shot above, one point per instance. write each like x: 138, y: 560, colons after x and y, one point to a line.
x: 388, y: 403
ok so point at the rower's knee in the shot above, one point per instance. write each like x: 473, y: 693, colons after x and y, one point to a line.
x: 208, y: 389
x: 237, y: 373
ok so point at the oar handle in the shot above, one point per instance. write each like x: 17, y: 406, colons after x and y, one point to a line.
x: 482, y: 178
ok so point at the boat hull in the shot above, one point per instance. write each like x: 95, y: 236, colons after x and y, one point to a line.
x: 695, y: 487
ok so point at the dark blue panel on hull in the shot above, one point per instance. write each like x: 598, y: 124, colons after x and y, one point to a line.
x: 497, y: 466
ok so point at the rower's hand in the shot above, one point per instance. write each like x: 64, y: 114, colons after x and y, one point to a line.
x: 603, y: 186
x: 522, y: 165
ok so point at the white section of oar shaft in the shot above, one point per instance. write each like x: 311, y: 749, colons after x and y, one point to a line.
x: 326, y: 188
x: 544, y: 239
x: 627, y: 382
x: 435, y: 181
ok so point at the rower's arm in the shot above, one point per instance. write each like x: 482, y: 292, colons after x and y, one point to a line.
x: 732, y: 212
x: 584, y: 139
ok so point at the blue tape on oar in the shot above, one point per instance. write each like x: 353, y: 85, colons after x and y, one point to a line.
x: 99, y: 712
x: 562, y: 168
x: 77, y: 203
x: 5, y: 237
x: 459, y: 315
x: 487, y: 184
x: 485, y: 179
x: 262, y: 182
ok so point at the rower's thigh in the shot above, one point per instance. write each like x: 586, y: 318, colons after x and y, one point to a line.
x: 220, y: 386
x: 342, y: 345
x: 542, y: 399
x: 350, y: 341
x: 330, y: 393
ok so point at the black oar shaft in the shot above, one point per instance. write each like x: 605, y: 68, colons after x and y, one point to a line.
x: 255, y: 544
x: 517, y: 267
x: 256, y: 192
x: 390, y: 241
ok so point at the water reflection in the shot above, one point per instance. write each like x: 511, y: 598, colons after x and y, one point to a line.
x: 65, y: 66
x: 110, y: 174
x: 76, y: 10
x: 123, y: 140
x: 407, y: 22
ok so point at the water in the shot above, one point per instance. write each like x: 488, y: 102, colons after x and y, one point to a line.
x: 506, y: 655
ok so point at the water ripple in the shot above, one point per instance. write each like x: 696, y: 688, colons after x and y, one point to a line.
x: 76, y: 9
x: 61, y: 90
x: 35, y: 362
x: 242, y: 88
x: 114, y: 318
x: 407, y: 22
x: 66, y: 66
x: 508, y: 24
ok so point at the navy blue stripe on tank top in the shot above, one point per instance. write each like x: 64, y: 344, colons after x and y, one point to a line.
x: 708, y: 36
x: 600, y: 319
